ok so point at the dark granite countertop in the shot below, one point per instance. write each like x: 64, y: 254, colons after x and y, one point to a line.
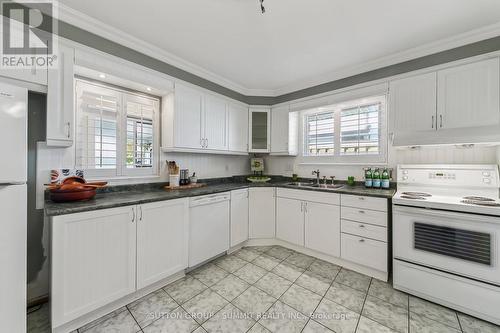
x: 139, y: 195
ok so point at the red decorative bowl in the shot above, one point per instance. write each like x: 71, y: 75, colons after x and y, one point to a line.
x: 68, y: 196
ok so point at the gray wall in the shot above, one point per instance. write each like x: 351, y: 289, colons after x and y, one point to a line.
x: 78, y: 35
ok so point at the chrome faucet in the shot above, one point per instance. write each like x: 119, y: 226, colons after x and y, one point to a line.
x: 316, y: 172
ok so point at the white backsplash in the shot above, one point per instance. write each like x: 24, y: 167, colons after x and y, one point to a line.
x: 443, y: 154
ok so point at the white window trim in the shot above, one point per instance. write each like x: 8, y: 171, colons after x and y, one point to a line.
x: 121, y: 171
x: 336, y: 158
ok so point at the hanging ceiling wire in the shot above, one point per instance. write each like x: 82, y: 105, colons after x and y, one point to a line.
x: 262, y: 8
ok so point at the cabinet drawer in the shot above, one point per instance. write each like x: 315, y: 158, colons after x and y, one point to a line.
x: 364, y: 215
x: 312, y: 196
x: 359, y: 201
x: 364, y: 251
x: 364, y: 230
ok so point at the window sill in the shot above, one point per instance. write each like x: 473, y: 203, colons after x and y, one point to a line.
x: 127, y: 179
x: 345, y: 163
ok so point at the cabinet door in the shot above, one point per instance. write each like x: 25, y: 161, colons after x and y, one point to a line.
x: 261, y: 213
x: 259, y: 134
x: 93, y: 259
x: 60, y: 100
x: 468, y: 96
x: 290, y: 221
x: 188, y: 117
x: 413, y: 104
x: 162, y: 240
x: 279, y: 129
x: 238, y: 128
x: 239, y: 216
x: 215, y: 119
x: 322, y: 228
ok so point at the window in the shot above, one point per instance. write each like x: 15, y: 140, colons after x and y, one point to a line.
x: 320, y: 139
x: 116, y: 131
x: 359, y: 130
x: 352, y: 131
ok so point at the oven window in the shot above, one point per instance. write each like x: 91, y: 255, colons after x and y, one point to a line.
x: 458, y: 243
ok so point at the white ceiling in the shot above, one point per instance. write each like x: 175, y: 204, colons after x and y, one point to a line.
x: 296, y: 43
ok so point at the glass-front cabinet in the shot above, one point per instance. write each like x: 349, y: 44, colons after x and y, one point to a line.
x: 260, y: 130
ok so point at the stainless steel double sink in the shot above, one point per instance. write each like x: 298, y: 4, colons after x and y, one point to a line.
x: 321, y: 186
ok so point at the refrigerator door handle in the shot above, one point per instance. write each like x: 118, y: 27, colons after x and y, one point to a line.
x: 8, y: 183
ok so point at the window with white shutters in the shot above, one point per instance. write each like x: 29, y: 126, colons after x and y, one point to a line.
x: 320, y: 138
x: 359, y: 130
x: 348, y: 132
x: 116, y: 131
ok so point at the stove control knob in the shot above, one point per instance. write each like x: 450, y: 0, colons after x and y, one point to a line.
x: 486, y: 180
x: 405, y: 177
x: 486, y: 174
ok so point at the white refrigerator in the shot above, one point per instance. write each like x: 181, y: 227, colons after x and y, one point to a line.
x: 13, y: 207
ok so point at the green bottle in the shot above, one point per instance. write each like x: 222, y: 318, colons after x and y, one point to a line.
x: 385, y: 179
x: 368, y: 177
x: 376, y: 178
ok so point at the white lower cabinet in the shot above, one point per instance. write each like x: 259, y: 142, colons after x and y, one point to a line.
x: 101, y: 256
x: 261, y: 212
x: 290, y: 220
x: 307, y: 222
x: 239, y: 216
x: 162, y: 240
x: 322, y: 228
x: 364, y: 251
x: 93, y: 258
x: 364, y: 231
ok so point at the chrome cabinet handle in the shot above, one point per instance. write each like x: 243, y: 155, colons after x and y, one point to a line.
x: 68, y: 125
x: 361, y: 211
x: 361, y: 240
x: 206, y: 144
x: 432, y: 124
x: 440, y: 121
x: 301, y: 206
x: 361, y: 225
x: 361, y: 198
x: 140, y: 207
x: 305, y: 207
x: 133, y: 214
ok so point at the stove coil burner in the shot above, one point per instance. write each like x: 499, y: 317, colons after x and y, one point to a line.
x: 412, y: 197
x: 474, y: 198
x: 417, y: 194
x: 481, y: 203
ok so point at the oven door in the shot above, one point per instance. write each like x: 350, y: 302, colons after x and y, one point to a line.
x: 458, y: 243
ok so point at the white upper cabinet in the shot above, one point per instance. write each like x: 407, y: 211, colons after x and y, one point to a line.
x: 284, y: 131
x: 188, y: 127
x: 459, y: 104
x: 215, y: 114
x: 468, y: 96
x: 413, y: 103
x: 197, y: 121
x: 60, y: 100
x: 162, y: 240
x: 238, y: 128
x: 259, y: 130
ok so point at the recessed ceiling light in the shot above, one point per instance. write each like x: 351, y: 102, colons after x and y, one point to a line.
x: 102, y: 75
x: 148, y: 88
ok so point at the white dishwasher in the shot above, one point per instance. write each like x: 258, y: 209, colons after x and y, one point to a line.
x: 208, y: 227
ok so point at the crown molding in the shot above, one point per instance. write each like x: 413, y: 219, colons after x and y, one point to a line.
x: 448, y: 43
x: 90, y: 24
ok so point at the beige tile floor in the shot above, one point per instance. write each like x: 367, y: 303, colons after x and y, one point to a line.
x: 274, y: 289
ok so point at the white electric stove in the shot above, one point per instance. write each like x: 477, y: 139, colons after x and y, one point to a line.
x: 446, y: 236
